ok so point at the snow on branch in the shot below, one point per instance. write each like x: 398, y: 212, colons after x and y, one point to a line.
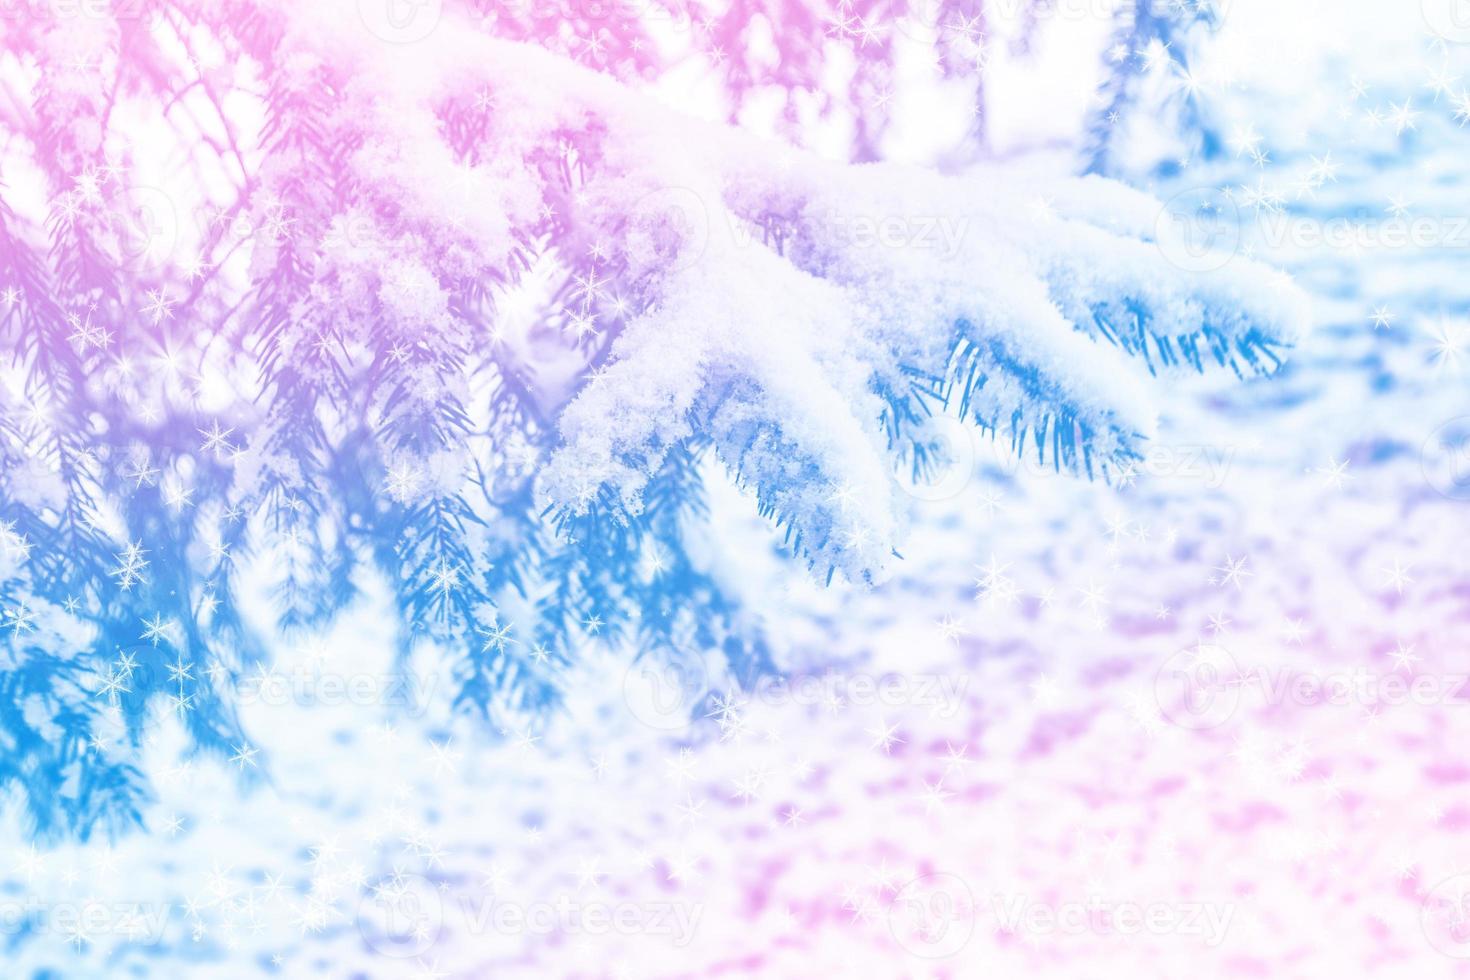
x: 778, y: 301
x: 472, y: 317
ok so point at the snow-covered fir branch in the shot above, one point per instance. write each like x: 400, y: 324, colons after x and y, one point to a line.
x: 482, y: 316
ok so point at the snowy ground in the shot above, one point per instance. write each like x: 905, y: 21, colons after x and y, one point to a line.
x: 1159, y: 730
